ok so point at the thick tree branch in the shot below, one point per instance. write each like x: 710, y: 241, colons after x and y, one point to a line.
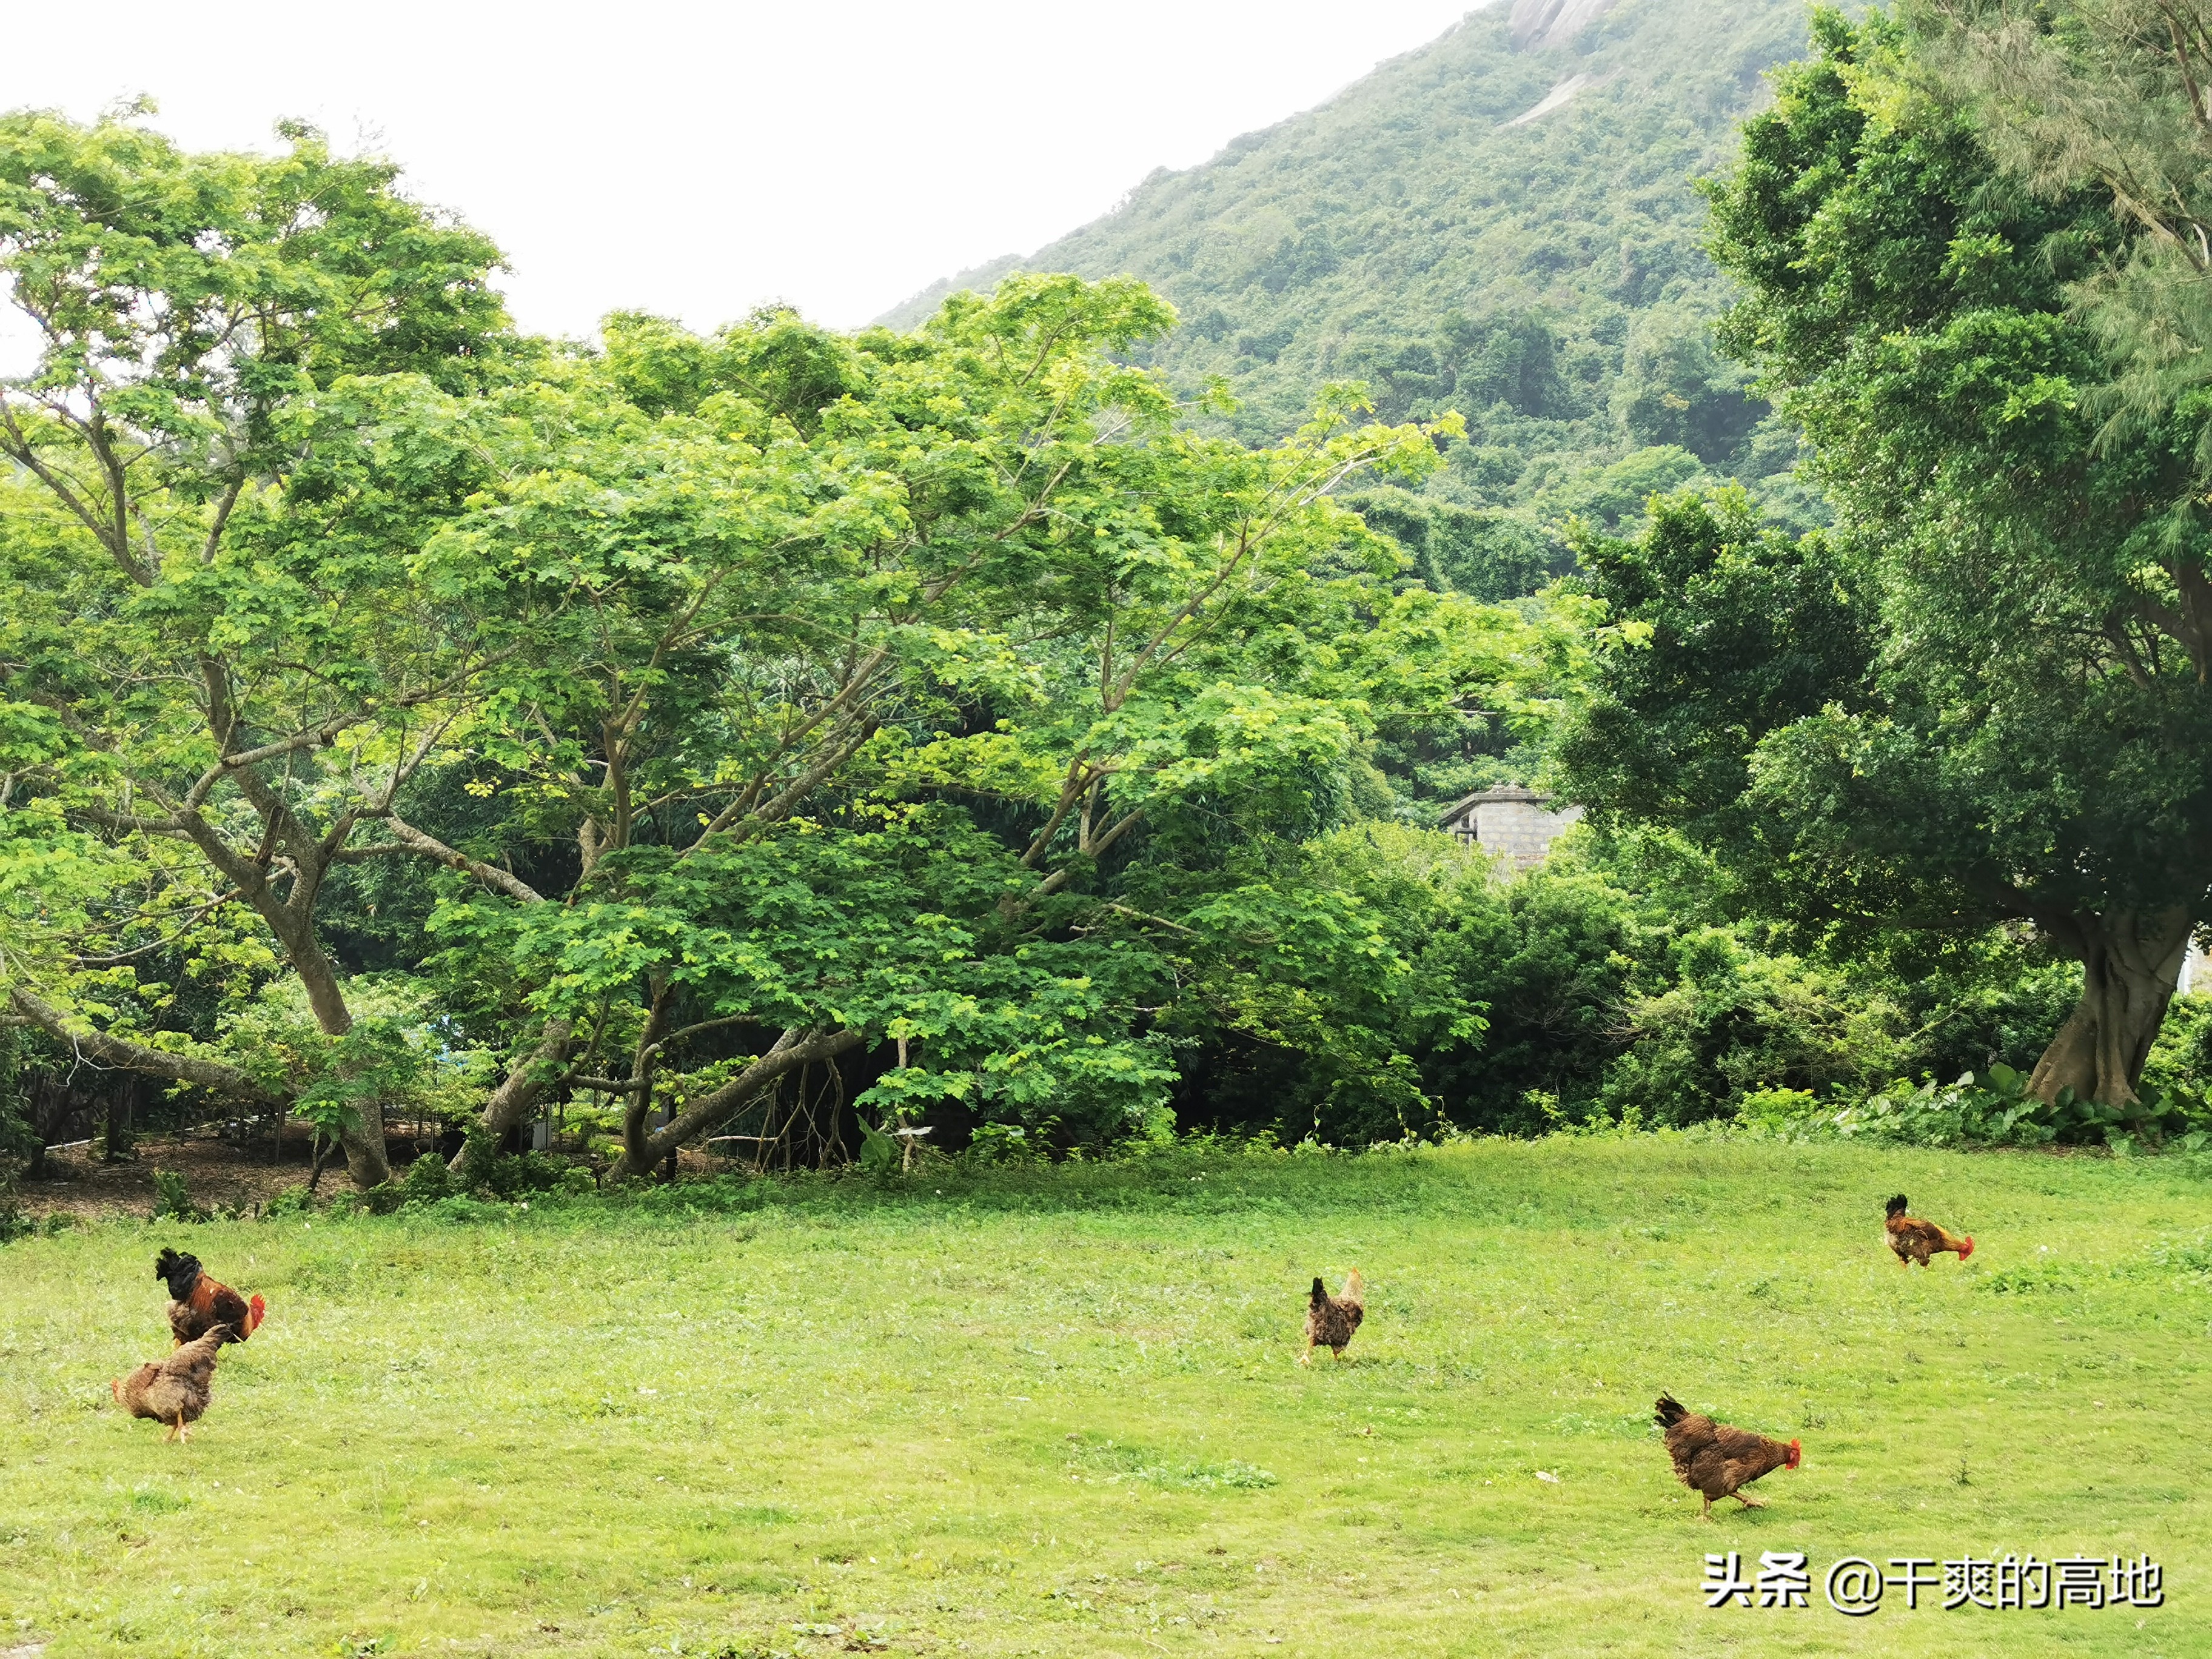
x: 792, y: 1050
x: 106, y: 1050
x: 429, y: 846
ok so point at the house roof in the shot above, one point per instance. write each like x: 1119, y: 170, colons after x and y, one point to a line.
x: 1497, y: 792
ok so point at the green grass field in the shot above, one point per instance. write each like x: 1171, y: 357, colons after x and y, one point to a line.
x: 1056, y: 1412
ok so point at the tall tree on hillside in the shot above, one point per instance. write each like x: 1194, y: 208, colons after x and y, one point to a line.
x: 214, y: 670
x: 1984, y: 700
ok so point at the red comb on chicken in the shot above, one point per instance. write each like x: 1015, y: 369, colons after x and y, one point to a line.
x: 198, y: 1303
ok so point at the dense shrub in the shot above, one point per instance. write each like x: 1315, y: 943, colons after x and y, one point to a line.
x: 2181, y: 1061
x: 1734, y: 1021
x: 1991, y: 1109
x: 1613, y: 985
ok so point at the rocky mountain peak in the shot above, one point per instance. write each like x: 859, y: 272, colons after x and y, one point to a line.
x: 1551, y: 22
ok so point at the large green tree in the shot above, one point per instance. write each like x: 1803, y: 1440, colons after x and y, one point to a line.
x: 888, y: 652
x: 1983, y: 701
x: 710, y: 708
x: 212, y: 673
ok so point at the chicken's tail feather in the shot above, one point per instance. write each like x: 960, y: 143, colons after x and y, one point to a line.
x: 1668, y: 1411
x: 1897, y: 1206
x: 1319, y: 1292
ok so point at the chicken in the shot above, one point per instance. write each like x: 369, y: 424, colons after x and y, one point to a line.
x: 198, y: 1303
x: 1915, y: 1241
x: 175, y: 1390
x: 1715, y: 1459
x: 1331, y: 1319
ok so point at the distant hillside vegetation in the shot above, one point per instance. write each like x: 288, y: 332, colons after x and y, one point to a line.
x: 1503, y: 222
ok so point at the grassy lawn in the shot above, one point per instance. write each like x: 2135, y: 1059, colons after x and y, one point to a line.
x: 1057, y: 1413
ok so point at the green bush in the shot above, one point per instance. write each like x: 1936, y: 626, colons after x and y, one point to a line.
x: 1006, y: 1143
x: 2180, y: 1061
x: 1992, y: 1110
x: 293, y: 1200
x: 1737, y: 1021
x: 1961, y: 1114
x: 526, y: 1174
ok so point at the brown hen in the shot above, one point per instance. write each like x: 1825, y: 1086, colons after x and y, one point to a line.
x: 1715, y: 1459
x: 1331, y: 1319
x: 176, y: 1390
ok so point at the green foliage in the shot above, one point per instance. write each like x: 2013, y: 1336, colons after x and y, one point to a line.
x: 173, y: 1200
x: 971, y: 716
x: 1735, y: 1021
x: 823, y: 685
x: 292, y: 1201
x: 2105, y: 94
x: 880, y: 1152
x: 1992, y: 1109
x: 1982, y: 702
x: 1618, y: 983
x: 429, y: 1186
x: 244, y: 414
x: 1623, y: 983
x: 400, y: 1052
x: 1740, y: 630
x: 1007, y: 1143
x: 2181, y: 1061
x: 1485, y: 553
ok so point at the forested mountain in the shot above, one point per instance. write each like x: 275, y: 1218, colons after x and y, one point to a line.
x: 1504, y: 223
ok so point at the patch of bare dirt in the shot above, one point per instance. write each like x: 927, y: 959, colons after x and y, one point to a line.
x: 216, y: 1175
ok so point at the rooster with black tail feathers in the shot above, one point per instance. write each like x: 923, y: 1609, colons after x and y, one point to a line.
x: 198, y: 1303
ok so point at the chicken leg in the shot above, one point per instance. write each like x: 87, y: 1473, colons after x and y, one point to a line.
x: 1749, y: 1503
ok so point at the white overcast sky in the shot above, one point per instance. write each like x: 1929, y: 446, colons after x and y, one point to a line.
x: 697, y: 159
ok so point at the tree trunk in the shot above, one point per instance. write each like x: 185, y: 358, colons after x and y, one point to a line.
x: 367, y: 1162
x: 121, y: 1112
x: 516, y: 1098
x: 41, y: 1095
x: 2131, y: 963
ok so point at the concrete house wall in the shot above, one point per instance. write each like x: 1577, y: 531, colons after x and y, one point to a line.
x: 1515, y: 825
